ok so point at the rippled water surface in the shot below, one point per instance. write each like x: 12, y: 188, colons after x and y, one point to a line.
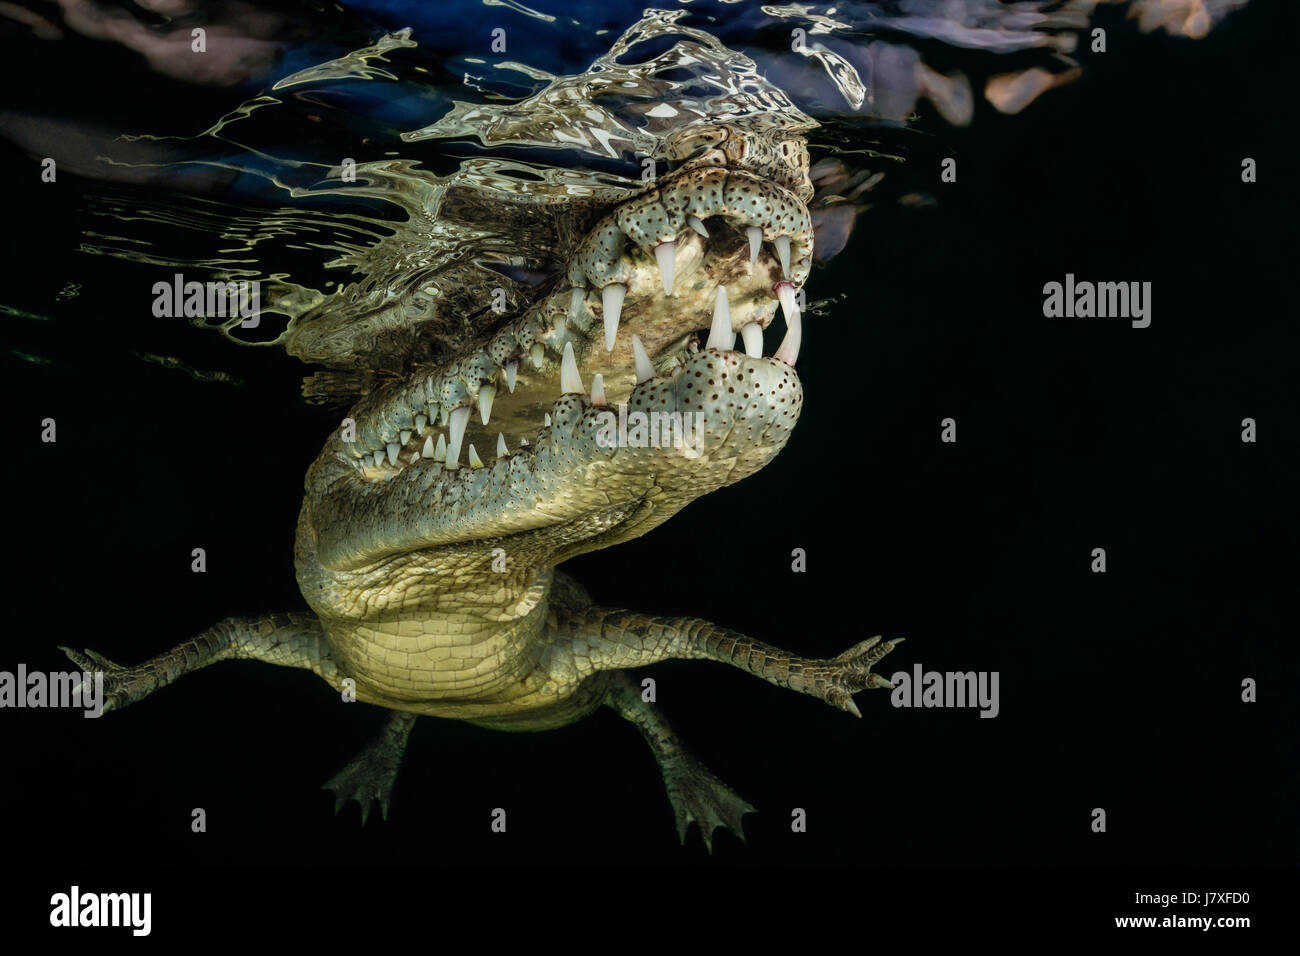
x: 452, y: 148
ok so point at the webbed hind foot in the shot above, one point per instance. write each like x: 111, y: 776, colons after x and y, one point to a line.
x: 696, y: 794
x: 701, y: 798
x: 370, y: 776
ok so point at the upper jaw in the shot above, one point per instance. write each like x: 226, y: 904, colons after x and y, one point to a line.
x: 758, y: 249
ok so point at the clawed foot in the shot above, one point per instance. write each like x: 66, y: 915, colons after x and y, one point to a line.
x: 369, y: 778
x: 701, y: 798
x: 843, y: 676
x: 122, y: 685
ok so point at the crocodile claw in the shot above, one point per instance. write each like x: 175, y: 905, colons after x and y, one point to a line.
x: 122, y: 685
x: 850, y: 672
x: 701, y: 798
x: 368, y: 780
x: 369, y: 777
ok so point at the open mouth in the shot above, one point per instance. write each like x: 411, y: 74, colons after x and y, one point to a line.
x: 702, y: 262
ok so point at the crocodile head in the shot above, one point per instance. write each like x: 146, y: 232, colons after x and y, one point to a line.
x: 638, y: 380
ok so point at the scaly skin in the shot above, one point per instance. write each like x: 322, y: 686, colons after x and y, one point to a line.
x: 434, y: 588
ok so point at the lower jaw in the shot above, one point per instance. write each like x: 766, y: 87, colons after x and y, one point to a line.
x: 722, y: 417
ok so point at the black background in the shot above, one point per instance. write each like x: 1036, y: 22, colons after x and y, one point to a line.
x: 1119, y: 691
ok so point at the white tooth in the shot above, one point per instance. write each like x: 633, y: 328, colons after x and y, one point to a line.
x: 720, y: 335
x: 666, y: 255
x: 789, y: 350
x: 611, y: 298
x: 406, y: 436
x: 644, y: 370
x: 415, y: 456
x: 440, y: 452
x: 442, y: 416
x: 427, y: 450
x: 782, y: 244
x: 755, y: 240
x: 694, y: 223
x: 537, y: 352
x: 752, y: 334
x: 523, y: 443
x: 485, y: 396
x: 459, y: 422
x: 570, y: 383
x: 379, y: 459
x: 474, y: 460
x: 575, y: 300
x: 546, y: 420
x: 512, y: 369
x: 785, y: 292
x: 598, y: 389
x: 393, y: 449
x: 420, y: 422
x: 502, y: 451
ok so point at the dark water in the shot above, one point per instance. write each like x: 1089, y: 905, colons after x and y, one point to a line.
x: 1118, y: 691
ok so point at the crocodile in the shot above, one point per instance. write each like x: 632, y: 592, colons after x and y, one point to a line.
x: 431, y: 569
x: 628, y: 375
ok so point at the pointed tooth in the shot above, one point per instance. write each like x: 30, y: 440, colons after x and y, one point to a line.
x: 393, y: 449
x: 644, y: 370
x: 752, y: 334
x: 427, y: 450
x: 720, y: 335
x: 536, y: 352
x: 570, y: 383
x: 405, y: 435
x: 502, y: 450
x: 486, y: 394
x: 440, y: 452
x: 459, y: 422
x: 420, y: 421
x: 442, y: 416
x: 782, y: 244
x: 474, y: 460
x: 512, y: 370
x: 611, y: 298
x: 546, y: 419
x: 523, y: 443
x: 598, y: 389
x: 379, y: 459
x: 575, y: 300
x: 415, y: 456
x: 789, y: 350
x: 695, y: 223
x: 755, y: 240
x: 785, y: 292
x: 666, y: 256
